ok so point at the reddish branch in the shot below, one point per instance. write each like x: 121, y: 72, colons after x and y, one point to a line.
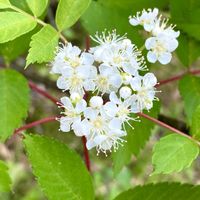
x: 167, y: 126
x: 177, y: 77
x: 35, y: 123
x: 86, y: 154
x: 34, y: 87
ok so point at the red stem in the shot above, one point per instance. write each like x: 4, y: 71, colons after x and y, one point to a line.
x: 86, y: 154
x: 167, y: 126
x: 177, y: 77
x: 42, y: 92
x: 35, y: 123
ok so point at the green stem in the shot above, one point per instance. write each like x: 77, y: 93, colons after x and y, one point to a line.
x: 42, y: 23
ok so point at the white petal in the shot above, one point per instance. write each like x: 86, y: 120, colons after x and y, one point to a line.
x: 67, y: 103
x: 110, y: 109
x: 172, y: 44
x: 150, y: 43
x: 62, y: 83
x: 99, y: 139
x: 65, y: 124
x: 115, y: 80
x: 87, y: 58
x: 90, y: 144
x: 113, y: 97
x: 89, y: 85
x: 151, y: 57
x: 81, y: 106
x: 136, y: 83
x: 133, y: 21
x: 149, y: 80
x: 90, y: 113
x: 115, y: 123
x: 165, y: 58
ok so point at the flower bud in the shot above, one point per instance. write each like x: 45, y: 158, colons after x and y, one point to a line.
x: 125, y: 92
x: 96, y: 102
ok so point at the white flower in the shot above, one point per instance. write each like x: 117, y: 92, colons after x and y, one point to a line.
x: 65, y: 56
x: 118, y: 110
x: 146, y: 19
x: 73, y: 111
x: 160, y: 49
x: 162, y: 29
x: 78, y: 79
x: 108, y: 79
x: 144, y: 92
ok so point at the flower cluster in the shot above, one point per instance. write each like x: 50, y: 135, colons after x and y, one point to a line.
x: 105, y: 88
x: 163, y: 40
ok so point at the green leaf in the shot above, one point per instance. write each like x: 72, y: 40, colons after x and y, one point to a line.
x: 14, y: 24
x: 195, y: 128
x: 5, y: 181
x: 60, y: 171
x: 189, y: 87
x: 121, y: 158
x: 4, y: 4
x: 173, y: 153
x: 37, y: 6
x: 186, y: 15
x: 136, y: 139
x: 69, y: 11
x: 15, y: 48
x: 43, y: 45
x: 14, y: 101
x: 188, y: 50
x: 113, y: 14
x: 162, y: 191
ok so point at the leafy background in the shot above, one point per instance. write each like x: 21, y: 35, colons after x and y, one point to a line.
x: 131, y: 164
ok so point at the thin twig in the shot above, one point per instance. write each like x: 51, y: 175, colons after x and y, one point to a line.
x: 86, y: 153
x: 42, y: 92
x: 177, y: 77
x: 167, y: 127
x: 35, y: 123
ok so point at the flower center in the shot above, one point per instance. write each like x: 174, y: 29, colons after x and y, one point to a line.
x: 75, y: 80
x: 98, y: 123
x: 76, y: 62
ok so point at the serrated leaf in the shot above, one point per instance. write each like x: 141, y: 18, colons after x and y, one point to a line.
x: 13, y: 25
x: 69, y: 11
x: 4, y: 4
x: 195, y: 128
x: 14, y: 101
x: 189, y: 87
x: 59, y: 170
x: 173, y: 153
x: 161, y: 191
x: 188, y: 50
x: 136, y: 139
x: 43, y: 45
x: 5, y: 181
x: 37, y: 6
x: 12, y: 49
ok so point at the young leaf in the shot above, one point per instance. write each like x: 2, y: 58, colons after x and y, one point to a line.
x: 60, y: 171
x: 14, y: 24
x: 69, y: 11
x: 4, y: 4
x: 173, y: 153
x: 170, y: 191
x: 14, y: 101
x: 136, y: 139
x: 189, y: 87
x: 37, y: 6
x: 195, y: 128
x: 5, y: 181
x: 43, y: 45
